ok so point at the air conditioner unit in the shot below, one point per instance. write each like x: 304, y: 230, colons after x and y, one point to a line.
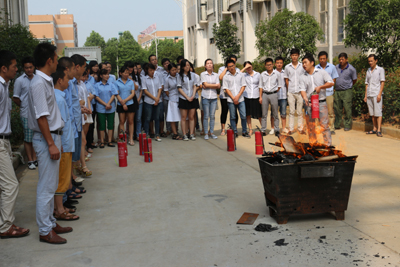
x: 225, y: 5
x: 203, y: 12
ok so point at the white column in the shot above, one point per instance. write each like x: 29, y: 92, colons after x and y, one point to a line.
x: 185, y: 30
x: 330, y: 30
x: 249, y: 39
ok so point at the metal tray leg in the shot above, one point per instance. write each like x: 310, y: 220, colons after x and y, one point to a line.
x: 339, y: 215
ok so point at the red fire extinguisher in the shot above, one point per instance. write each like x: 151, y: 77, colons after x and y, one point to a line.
x: 122, y: 137
x: 142, y: 136
x: 148, y: 150
x: 231, y: 139
x: 122, y: 154
x: 315, y: 106
x: 259, y: 143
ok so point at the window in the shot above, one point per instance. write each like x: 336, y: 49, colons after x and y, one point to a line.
x: 212, y: 40
x: 268, y: 10
x: 342, y: 9
x: 323, y: 18
x: 279, y: 5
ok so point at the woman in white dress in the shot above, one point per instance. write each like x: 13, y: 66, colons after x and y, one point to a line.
x: 171, y: 90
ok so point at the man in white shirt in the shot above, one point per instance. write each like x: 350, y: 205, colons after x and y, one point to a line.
x: 270, y: 84
x: 9, y: 185
x: 20, y: 98
x: 45, y: 120
x: 234, y: 85
x: 316, y: 81
x: 292, y: 74
x: 374, y: 83
x: 331, y: 70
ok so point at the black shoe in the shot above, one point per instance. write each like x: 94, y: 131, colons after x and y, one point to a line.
x: 337, y: 128
x: 110, y: 145
x: 246, y: 135
x: 333, y: 133
x: 236, y: 135
x: 76, y: 183
x: 264, y: 134
x: 277, y: 133
x: 72, y: 201
x: 68, y: 205
x: 36, y: 163
x: 347, y: 129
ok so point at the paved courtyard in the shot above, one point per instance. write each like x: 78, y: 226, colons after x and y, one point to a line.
x: 182, y: 209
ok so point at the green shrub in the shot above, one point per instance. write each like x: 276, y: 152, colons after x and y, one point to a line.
x: 17, y: 135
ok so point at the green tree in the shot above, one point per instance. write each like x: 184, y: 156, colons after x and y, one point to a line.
x: 110, y: 53
x: 375, y: 24
x: 167, y: 48
x: 129, y: 49
x: 17, y: 39
x: 226, y: 40
x: 287, y: 30
x: 95, y: 39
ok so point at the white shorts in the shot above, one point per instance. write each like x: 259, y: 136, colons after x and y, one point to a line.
x: 374, y: 108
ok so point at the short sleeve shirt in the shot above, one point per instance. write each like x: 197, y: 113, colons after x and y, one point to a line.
x: 21, y: 88
x: 331, y: 70
x: 252, y: 90
x: 282, y: 94
x: 137, y: 92
x: 5, y: 108
x: 293, y: 74
x: 234, y: 83
x: 90, y: 89
x: 318, y: 78
x: 212, y: 78
x: 171, y: 86
x: 76, y: 106
x: 373, y: 79
x: 125, y: 90
x: 220, y: 70
x: 187, y: 84
x: 152, y: 85
x: 164, y: 75
x: 270, y: 82
x: 346, y: 77
x: 105, y: 92
x: 67, y: 138
x: 42, y: 103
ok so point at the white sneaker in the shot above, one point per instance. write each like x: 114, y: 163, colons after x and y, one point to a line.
x: 285, y: 130
x: 272, y: 131
x: 157, y: 138
x: 185, y: 138
x: 79, y: 179
x: 213, y: 136
x: 31, y: 165
x: 206, y: 137
x: 192, y: 137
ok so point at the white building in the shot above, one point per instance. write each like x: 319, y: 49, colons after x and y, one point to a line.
x: 199, y: 17
x: 17, y: 11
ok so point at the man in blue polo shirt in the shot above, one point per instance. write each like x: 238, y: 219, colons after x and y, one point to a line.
x: 331, y: 70
x: 344, y: 92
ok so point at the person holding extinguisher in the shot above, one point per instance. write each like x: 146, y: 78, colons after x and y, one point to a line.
x: 316, y: 81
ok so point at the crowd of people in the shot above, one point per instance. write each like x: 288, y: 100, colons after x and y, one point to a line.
x: 67, y: 99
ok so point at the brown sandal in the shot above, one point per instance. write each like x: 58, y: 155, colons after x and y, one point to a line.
x: 66, y: 217
x: 14, y: 232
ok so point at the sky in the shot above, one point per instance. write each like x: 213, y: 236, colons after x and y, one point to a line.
x: 110, y: 17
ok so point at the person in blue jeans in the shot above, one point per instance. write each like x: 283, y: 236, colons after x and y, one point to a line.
x: 139, y: 96
x: 152, y: 87
x: 234, y: 85
x: 210, y: 82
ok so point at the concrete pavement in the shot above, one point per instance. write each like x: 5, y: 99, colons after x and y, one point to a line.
x: 181, y: 210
